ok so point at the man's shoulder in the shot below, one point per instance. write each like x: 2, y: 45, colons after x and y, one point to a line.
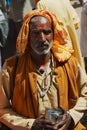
x: 11, y: 60
x: 72, y: 61
x: 72, y: 58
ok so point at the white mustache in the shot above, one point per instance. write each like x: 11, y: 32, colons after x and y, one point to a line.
x: 46, y: 43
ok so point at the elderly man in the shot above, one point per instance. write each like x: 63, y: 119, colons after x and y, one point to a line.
x: 43, y: 75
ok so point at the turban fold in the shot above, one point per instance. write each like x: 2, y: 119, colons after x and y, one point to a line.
x: 60, y: 47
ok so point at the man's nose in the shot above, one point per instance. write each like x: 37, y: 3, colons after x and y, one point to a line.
x: 42, y: 36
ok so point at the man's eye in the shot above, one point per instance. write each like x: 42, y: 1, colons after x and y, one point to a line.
x: 35, y: 32
x: 47, y: 32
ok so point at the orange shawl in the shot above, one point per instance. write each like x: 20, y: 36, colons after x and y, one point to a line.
x: 25, y: 95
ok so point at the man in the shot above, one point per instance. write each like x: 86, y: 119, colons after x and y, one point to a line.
x: 43, y: 75
x: 83, y: 35
x: 67, y: 14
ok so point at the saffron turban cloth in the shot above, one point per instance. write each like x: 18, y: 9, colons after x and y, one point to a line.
x: 60, y: 47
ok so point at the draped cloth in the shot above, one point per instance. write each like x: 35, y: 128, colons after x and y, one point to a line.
x: 25, y: 92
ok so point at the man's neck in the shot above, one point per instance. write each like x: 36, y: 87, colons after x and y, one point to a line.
x: 40, y: 60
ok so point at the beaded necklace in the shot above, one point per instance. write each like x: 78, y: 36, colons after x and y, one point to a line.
x: 45, y: 85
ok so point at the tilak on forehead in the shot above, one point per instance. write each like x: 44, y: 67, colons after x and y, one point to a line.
x: 60, y: 48
x: 41, y: 26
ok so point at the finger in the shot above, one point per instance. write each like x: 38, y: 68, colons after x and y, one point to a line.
x: 48, y: 125
x: 63, y: 110
x: 64, y: 127
x: 60, y: 124
x: 64, y: 116
x: 48, y: 122
x: 40, y: 117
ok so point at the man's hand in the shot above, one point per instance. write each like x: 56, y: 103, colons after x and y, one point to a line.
x: 46, y: 124
x: 83, y: 120
x: 42, y: 123
x: 64, y: 123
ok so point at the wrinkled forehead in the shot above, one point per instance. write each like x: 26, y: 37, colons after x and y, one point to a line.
x: 39, y: 19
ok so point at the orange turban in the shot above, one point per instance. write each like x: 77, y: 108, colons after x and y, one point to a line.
x: 60, y: 47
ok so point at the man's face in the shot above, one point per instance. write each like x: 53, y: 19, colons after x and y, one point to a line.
x: 41, y: 35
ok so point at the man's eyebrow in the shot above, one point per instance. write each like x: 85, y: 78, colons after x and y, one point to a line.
x: 45, y: 31
x: 41, y: 29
